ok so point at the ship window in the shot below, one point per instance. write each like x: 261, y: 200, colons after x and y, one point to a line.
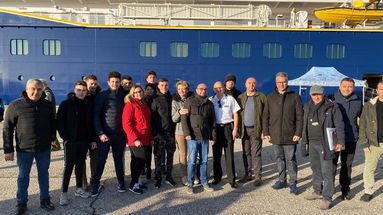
x: 335, y: 51
x: 148, y: 49
x: 241, y: 50
x: 51, y: 47
x: 179, y: 49
x: 210, y: 50
x: 303, y: 50
x: 20, y: 77
x: 19, y: 47
x: 272, y: 50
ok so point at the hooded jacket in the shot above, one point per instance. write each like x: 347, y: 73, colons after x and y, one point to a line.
x: 329, y: 116
x: 283, y: 117
x: 34, y: 125
x: 199, y: 123
x: 67, y: 119
x: 177, y: 104
x: 368, y: 125
x: 351, y: 108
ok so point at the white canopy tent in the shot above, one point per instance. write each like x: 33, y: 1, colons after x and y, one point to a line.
x: 322, y: 76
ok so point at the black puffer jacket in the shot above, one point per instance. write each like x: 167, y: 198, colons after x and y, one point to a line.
x: 69, y: 122
x: 200, y: 122
x: 34, y: 123
x: 107, y: 116
x: 161, y: 121
x: 283, y: 117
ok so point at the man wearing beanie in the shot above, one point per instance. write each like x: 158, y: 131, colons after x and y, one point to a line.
x: 230, y: 89
x: 322, y: 139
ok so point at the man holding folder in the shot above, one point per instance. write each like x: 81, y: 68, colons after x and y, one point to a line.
x: 322, y: 139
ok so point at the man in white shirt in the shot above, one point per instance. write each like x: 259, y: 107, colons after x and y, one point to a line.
x: 226, y: 113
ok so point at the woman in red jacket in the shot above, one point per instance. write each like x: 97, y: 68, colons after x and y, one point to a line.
x: 136, y: 123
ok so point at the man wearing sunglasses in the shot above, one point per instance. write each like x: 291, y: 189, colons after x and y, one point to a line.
x: 226, y: 114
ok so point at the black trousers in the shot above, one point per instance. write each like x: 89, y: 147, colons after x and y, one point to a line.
x: 74, y: 156
x: 165, y: 145
x: 252, y: 153
x: 224, y: 141
x: 138, y: 162
x: 346, y: 158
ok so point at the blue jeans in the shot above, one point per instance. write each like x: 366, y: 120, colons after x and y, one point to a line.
x: 194, y: 147
x: 24, y: 162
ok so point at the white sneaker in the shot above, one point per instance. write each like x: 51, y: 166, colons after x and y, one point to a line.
x: 81, y: 193
x: 64, y: 199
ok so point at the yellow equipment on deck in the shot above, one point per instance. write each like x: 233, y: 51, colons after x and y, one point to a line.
x: 357, y: 14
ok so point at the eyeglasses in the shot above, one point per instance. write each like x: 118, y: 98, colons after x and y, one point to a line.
x: 204, y: 89
x: 219, y: 104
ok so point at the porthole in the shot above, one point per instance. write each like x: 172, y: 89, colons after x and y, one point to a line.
x: 52, y: 78
x: 20, y: 77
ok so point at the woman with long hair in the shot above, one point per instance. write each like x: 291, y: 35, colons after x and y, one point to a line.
x: 136, y: 124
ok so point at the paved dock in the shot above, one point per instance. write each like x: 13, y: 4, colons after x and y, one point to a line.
x: 246, y: 199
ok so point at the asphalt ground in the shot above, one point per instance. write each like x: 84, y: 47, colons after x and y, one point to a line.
x: 246, y: 199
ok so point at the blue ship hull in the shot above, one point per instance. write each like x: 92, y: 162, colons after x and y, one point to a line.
x: 98, y: 50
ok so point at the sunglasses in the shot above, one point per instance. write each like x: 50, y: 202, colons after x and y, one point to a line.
x: 219, y: 104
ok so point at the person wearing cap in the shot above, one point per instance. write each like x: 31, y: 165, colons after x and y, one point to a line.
x: 230, y: 89
x: 282, y: 122
x: 371, y: 139
x: 322, y: 139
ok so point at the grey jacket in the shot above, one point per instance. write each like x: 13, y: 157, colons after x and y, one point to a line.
x: 177, y: 104
x: 368, y: 125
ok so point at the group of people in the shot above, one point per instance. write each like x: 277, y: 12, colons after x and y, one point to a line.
x: 151, y: 121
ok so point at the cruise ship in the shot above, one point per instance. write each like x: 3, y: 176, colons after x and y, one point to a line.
x: 195, y: 40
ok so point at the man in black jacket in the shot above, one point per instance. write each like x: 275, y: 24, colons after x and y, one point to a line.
x: 282, y: 125
x: 199, y: 130
x: 74, y: 124
x: 93, y: 90
x: 163, y: 128
x: 230, y: 89
x: 34, y: 121
x: 351, y: 107
x: 107, y: 120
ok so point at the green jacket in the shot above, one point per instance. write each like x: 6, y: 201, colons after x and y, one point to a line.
x: 259, y: 104
x: 368, y: 125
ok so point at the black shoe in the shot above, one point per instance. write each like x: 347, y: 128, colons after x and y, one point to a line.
x: 233, y: 185
x: 21, y: 208
x: 216, y: 181
x: 142, y: 186
x: 346, y: 196
x: 171, y: 182
x: 157, y: 184
x: 366, y: 197
x: 47, y: 205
